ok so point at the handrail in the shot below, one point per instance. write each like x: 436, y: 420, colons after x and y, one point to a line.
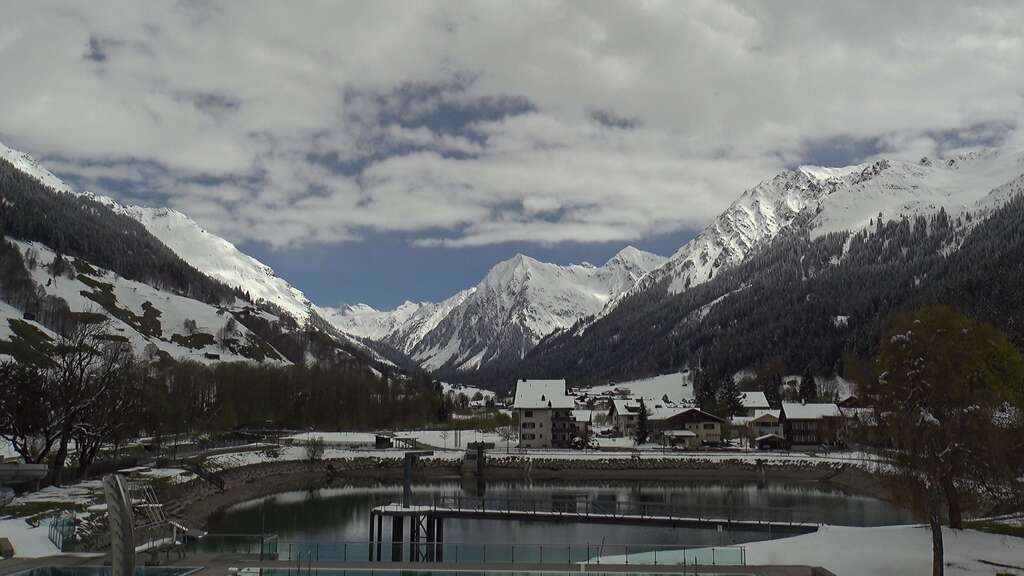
x: 583, y: 507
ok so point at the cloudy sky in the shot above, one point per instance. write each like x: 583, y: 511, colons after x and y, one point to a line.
x: 377, y: 151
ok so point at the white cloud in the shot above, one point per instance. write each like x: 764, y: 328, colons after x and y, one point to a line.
x: 621, y: 119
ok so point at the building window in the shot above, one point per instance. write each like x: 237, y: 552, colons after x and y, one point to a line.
x: 528, y: 414
x: 709, y: 426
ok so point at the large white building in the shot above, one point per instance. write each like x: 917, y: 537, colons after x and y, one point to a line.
x: 545, y: 414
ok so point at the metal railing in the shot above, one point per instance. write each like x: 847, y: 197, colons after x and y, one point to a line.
x: 589, y: 554
x: 583, y: 507
x: 61, y: 529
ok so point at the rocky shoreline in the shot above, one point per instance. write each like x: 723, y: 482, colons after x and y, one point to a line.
x: 196, y: 501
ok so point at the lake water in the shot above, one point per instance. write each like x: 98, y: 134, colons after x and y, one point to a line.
x: 341, y: 514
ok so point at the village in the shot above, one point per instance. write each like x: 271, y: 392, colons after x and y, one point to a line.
x: 662, y: 412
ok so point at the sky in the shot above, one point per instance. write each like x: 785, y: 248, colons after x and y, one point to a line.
x: 383, y: 151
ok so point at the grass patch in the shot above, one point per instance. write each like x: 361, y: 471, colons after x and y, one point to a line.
x: 83, y: 267
x: 995, y: 528
x: 196, y: 341
x: 34, y: 510
x: 103, y: 294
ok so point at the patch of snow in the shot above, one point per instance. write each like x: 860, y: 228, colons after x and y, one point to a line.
x: 132, y: 296
x: 677, y: 387
x: 886, y: 550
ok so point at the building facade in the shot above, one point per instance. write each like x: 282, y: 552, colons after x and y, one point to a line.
x: 545, y: 414
x: 817, y: 424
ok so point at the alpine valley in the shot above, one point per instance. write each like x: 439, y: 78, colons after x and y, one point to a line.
x: 835, y: 250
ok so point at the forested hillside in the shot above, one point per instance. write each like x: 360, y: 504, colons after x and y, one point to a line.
x: 801, y: 303
x: 79, y: 226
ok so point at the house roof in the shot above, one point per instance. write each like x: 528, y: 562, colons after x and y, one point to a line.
x: 655, y: 410
x: 767, y: 437
x: 694, y: 413
x: 772, y: 414
x: 752, y: 400
x: 796, y: 411
x: 541, y: 394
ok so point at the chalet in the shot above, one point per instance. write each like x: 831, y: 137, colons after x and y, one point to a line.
x: 685, y: 439
x: 770, y: 442
x: 820, y: 424
x: 545, y: 414
x: 769, y: 422
x: 707, y: 427
x: 623, y: 415
x: 754, y: 403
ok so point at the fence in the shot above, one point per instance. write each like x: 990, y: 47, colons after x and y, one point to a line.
x: 271, y: 548
x: 61, y: 529
x: 582, y: 507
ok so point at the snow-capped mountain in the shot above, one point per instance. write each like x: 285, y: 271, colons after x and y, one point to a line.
x: 518, y: 302
x: 831, y: 200
x: 207, y: 252
x: 150, y: 320
x: 807, y: 263
x: 402, y: 328
x: 220, y: 259
x: 29, y: 165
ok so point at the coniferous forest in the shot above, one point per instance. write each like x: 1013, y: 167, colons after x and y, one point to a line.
x: 801, y: 303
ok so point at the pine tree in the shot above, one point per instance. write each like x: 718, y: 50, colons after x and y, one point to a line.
x: 730, y: 399
x: 643, y: 425
x: 808, y: 386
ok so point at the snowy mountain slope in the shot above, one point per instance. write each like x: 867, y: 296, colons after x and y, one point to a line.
x: 830, y: 200
x: 143, y: 316
x: 894, y: 188
x: 20, y: 336
x: 220, y: 259
x: 401, y: 328
x: 208, y: 253
x: 213, y: 256
x: 32, y: 167
x: 518, y: 302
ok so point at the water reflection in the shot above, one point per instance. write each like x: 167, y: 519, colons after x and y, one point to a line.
x: 341, y: 513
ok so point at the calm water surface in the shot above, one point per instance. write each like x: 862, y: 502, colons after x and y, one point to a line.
x: 341, y: 514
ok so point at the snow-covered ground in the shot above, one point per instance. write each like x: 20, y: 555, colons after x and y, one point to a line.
x: 874, y: 551
x: 457, y: 439
x: 135, y: 297
x: 28, y: 542
x: 83, y: 494
x: 677, y: 387
x: 336, y: 439
x: 469, y: 391
x: 889, y: 550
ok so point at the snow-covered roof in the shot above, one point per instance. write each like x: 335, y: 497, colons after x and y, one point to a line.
x: 754, y: 400
x: 655, y: 410
x: 776, y: 414
x: 797, y: 411
x: 680, y: 433
x: 542, y: 394
x: 583, y: 415
x: 768, y: 436
x: 659, y: 412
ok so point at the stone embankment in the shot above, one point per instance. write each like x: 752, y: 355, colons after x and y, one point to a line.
x: 195, y: 501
